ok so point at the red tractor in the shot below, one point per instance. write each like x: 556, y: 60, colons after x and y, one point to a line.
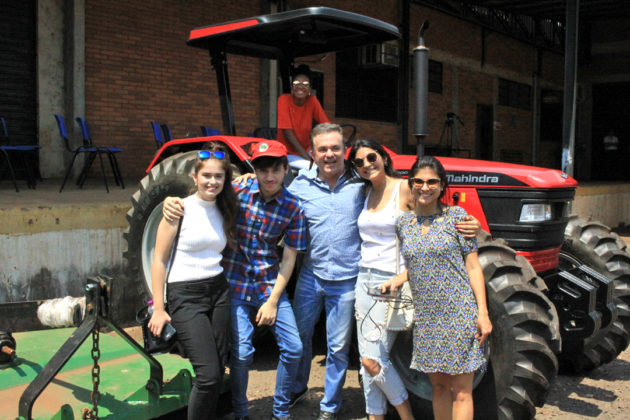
x: 558, y: 286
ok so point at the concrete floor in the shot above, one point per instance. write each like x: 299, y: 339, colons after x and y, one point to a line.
x: 47, y: 193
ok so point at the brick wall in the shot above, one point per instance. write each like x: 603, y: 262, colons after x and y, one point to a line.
x: 459, y: 44
x: 139, y: 69
x: 474, y: 88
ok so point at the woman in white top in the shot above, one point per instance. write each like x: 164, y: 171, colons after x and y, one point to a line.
x: 198, y: 293
x: 386, y: 197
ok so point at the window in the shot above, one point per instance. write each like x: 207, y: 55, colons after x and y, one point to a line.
x: 435, y: 76
x: 317, y: 85
x: 516, y: 95
x: 365, y: 91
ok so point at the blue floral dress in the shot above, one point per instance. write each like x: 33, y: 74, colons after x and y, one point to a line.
x: 445, y: 318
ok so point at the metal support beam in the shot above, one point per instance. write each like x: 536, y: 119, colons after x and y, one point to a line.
x: 219, y: 62
x: 403, y: 75
x: 536, y: 106
x: 570, y: 86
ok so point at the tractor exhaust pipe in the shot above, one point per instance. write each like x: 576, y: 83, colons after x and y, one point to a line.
x: 421, y: 88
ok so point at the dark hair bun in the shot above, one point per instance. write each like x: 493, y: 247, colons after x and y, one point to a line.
x: 302, y: 69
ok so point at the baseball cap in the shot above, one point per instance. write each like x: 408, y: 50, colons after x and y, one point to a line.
x: 268, y: 148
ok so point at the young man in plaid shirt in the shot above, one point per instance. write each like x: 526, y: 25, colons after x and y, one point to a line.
x: 258, y: 275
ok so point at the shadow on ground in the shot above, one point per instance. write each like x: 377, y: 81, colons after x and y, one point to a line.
x: 580, y: 394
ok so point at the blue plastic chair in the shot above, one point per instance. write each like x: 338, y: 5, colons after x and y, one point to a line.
x: 209, y: 131
x: 5, y: 152
x: 22, y: 151
x: 167, y: 132
x: 90, y: 151
x: 110, y: 151
x: 157, y: 134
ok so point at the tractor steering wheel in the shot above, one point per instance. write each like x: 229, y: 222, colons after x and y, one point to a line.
x: 352, y: 134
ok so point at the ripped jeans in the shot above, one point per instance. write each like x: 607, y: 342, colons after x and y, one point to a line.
x: 375, y: 342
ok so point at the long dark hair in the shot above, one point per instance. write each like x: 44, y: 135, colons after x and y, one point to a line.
x: 436, y: 166
x: 226, y: 199
x: 374, y: 145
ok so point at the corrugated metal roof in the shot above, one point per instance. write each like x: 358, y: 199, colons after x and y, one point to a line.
x: 590, y: 10
x: 539, y: 22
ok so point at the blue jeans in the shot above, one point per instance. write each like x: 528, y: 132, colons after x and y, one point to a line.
x: 337, y: 297
x: 375, y: 342
x: 286, y: 333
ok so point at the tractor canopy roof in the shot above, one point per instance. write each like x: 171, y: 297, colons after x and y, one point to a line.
x: 296, y: 33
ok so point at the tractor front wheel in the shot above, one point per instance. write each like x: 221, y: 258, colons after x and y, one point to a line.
x: 593, y: 244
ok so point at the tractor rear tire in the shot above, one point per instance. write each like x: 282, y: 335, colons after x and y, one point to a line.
x: 522, y: 362
x: 593, y: 244
x: 171, y: 177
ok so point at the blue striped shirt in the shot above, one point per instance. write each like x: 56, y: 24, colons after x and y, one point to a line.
x: 251, y: 265
x: 334, y: 244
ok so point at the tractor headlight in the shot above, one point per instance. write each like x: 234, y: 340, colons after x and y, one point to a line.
x: 535, y: 213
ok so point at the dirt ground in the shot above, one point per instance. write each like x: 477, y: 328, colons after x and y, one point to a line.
x: 603, y: 393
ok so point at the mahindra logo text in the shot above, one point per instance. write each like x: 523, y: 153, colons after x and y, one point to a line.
x: 472, y: 179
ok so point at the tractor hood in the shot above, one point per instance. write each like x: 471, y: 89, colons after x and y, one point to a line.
x: 491, y: 174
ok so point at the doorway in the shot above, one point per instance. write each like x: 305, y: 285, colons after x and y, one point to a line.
x: 484, y: 143
x: 611, y: 111
x: 18, y: 94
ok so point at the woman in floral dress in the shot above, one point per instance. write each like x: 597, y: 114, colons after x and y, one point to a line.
x: 451, y: 315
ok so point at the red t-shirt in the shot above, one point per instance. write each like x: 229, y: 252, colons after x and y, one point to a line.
x: 299, y: 119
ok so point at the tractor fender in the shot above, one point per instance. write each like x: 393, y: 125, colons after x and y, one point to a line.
x: 239, y: 146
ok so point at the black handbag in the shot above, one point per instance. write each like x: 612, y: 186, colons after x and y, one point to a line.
x: 153, y: 344
x: 168, y: 337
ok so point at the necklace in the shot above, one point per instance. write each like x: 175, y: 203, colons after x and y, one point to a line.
x: 429, y: 218
x: 425, y: 222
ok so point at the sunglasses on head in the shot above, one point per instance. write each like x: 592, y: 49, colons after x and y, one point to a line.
x: 359, y: 162
x: 207, y: 154
x: 419, y: 182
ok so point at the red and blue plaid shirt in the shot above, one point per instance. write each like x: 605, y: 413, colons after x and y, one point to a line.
x: 251, y: 264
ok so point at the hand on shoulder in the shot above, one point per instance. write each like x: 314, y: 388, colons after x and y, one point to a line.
x: 173, y: 208
x: 468, y: 225
x: 244, y: 178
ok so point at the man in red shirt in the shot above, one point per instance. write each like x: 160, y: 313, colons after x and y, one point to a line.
x: 296, y: 113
